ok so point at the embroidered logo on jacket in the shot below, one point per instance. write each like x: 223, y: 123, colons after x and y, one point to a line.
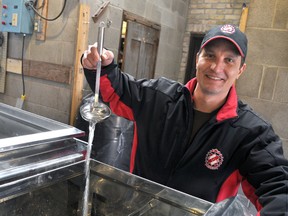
x: 214, y: 159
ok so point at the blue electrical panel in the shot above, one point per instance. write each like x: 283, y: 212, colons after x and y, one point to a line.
x: 17, y: 16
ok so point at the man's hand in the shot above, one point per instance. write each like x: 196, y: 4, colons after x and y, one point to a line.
x: 91, y: 57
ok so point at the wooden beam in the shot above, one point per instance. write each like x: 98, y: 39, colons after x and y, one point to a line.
x: 42, y: 23
x: 42, y: 70
x: 100, y: 11
x: 14, y: 65
x: 141, y: 20
x: 243, y: 21
x: 243, y: 18
x: 82, y: 44
x: 3, y: 62
x: 47, y: 71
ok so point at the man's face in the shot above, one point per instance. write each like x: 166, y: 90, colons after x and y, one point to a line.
x: 218, y: 65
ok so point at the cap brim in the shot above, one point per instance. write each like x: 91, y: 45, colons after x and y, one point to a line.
x: 227, y: 38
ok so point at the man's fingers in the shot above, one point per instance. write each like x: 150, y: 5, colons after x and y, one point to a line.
x: 91, y: 57
x: 107, y: 57
x: 87, y: 64
x: 88, y: 61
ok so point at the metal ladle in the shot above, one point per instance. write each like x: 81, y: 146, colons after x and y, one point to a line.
x: 95, y: 111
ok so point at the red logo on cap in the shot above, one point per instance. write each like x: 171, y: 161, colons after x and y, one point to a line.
x: 214, y: 159
x: 228, y: 29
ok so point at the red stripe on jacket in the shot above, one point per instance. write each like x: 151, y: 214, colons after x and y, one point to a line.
x: 119, y: 108
x: 229, y: 109
x: 230, y: 188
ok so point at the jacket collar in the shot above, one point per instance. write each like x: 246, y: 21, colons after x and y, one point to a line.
x: 229, y: 109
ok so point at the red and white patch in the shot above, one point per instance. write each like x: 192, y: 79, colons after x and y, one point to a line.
x: 214, y: 159
x: 229, y: 29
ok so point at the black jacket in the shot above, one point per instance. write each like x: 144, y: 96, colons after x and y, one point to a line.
x: 235, y: 146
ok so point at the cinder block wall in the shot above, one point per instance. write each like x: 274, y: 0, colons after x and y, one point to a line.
x: 53, y: 100
x: 169, y: 14
x: 264, y: 85
x: 46, y: 98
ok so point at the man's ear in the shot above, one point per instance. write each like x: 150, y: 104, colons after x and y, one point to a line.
x: 197, y: 57
x: 242, y: 69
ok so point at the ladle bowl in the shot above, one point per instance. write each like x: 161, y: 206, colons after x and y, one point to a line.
x: 95, y: 112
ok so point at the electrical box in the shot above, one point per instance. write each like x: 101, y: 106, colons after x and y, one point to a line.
x: 17, y: 16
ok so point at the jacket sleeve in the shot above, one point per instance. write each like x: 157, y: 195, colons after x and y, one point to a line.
x: 266, y: 172
x: 121, y: 91
x: 128, y: 97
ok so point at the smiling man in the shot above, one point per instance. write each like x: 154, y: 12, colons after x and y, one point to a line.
x: 199, y: 138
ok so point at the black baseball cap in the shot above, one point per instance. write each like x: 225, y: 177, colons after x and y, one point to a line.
x: 229, y: 32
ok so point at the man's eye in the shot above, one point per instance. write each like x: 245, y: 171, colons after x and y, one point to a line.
x: 209, y: 55
x: 230, y: 60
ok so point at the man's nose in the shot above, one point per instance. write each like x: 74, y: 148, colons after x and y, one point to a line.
x: 217, y: 66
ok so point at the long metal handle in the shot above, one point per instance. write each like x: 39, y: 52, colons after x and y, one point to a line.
x: 100, y: 42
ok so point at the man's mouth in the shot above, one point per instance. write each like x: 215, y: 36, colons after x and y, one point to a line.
x: 214, y: 78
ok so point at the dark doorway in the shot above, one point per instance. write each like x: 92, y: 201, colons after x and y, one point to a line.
x: 195, y: 43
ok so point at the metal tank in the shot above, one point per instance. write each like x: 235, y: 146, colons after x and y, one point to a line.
x: 37, y: 157
x: 41, y: 174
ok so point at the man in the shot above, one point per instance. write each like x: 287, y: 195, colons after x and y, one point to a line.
x: 199, y: 138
